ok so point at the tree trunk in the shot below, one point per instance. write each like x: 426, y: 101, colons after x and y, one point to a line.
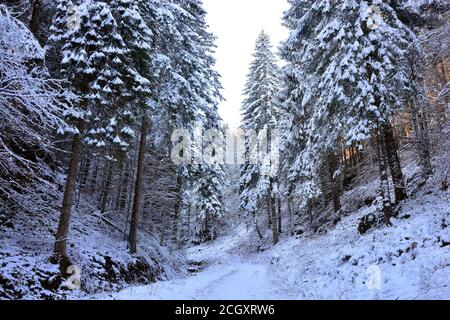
x: 213, y: 228
x: 188, y: 229
x: 291, y: 214
x: 34, y: 21
x: 60, y: 247
x: 273, y: 216
x: 344, y: 157
x: 138, y: 187
x: 121, y: 194
x: 384, y: 183
x: 394, y: 163
x: 422, y: 139
x: 163, y: 228
x: 79, y: 179
x: 93, y: 182
x: 333, y: 166
x: 257, y: 228
x: 356, y: 152
x: 279, y: 215
x: 130, y: 189
x: 309, y: 211
x: 106, y: 188
x: 176, y: 211
x: 86, y: 167
x: 148, y: 214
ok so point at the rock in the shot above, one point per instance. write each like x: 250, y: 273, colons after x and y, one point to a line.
x: 367, y: 222
x: 444, y: 185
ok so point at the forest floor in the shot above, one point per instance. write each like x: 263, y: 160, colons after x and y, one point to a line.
x: 410, y: 260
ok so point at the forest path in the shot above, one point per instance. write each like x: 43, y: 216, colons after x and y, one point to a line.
x: 233, y: 279
x: 225, y: 276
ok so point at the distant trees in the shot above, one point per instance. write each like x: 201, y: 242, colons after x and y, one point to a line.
x: 209, y: 209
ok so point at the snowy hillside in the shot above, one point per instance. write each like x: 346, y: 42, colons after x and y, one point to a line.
x: 99, y: 252
x: 411, y: 258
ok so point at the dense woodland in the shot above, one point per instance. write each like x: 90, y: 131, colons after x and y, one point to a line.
x: 91, y: 92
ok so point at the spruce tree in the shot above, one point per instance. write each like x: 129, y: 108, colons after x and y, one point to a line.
x: 207, y: 178
x: 209, y: 203
x: 93, y: 58
x: 134, y: 24
x: 260, y: 112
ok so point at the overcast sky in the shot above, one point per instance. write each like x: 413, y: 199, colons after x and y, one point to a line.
x: 237, y: 24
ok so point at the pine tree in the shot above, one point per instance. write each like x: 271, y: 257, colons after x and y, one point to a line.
x: 189, y: 90
x: 209, y: 203
x: 93, y: 57
x: 133, y: 24
x: 61, y: 22
x: 260, y: 112
x: 208, y: 178
x: 346, y: 57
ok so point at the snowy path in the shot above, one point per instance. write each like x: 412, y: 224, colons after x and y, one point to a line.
x: 226, y: 276
x: 223, y: 280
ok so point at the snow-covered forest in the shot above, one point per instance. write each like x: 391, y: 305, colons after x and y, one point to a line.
x: 120, y: 180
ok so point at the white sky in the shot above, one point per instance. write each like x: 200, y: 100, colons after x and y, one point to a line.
x: 237, y: 24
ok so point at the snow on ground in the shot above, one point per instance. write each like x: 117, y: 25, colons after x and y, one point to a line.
x: 410, y: 260
x: 227, y: 275
x: 224, y: 280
